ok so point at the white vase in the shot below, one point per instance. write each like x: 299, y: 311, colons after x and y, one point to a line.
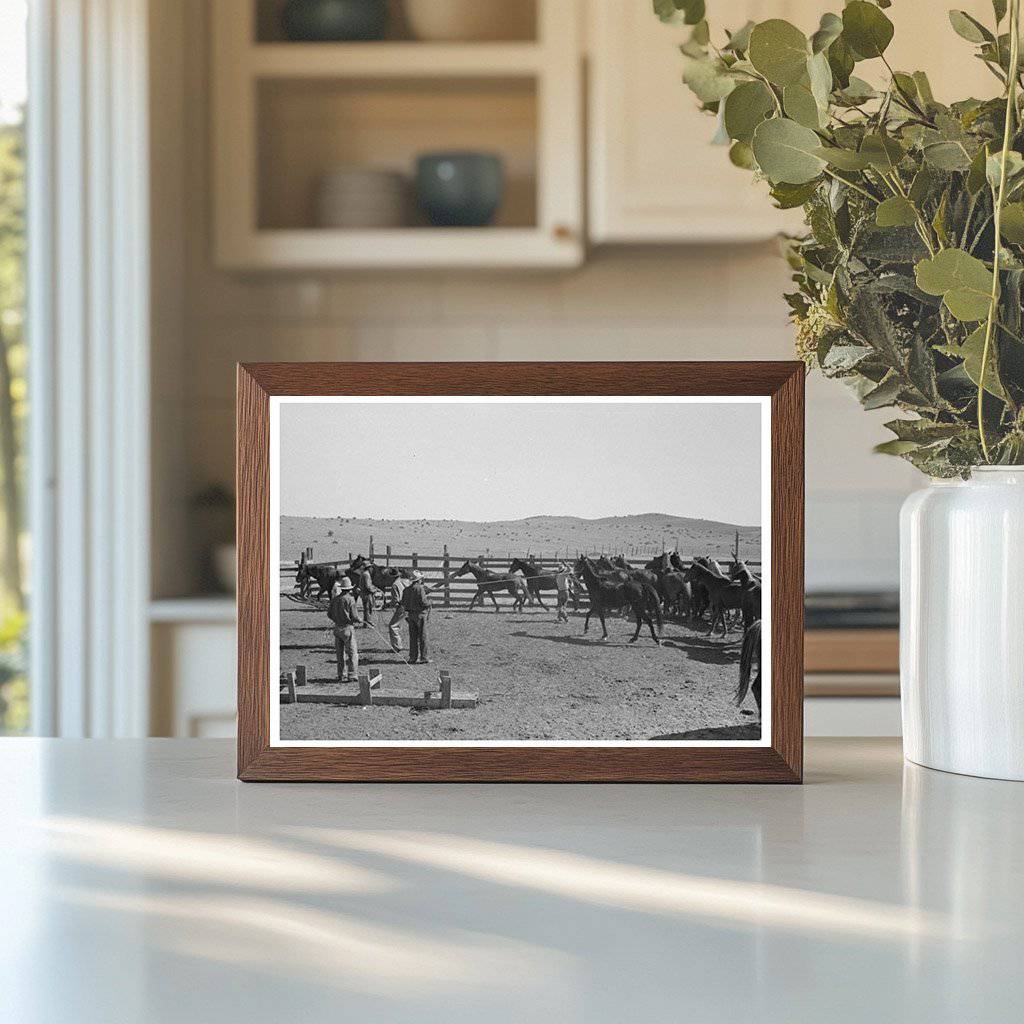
x: 962, y: 624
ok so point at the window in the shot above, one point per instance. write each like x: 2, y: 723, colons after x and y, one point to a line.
x: 14, y: 694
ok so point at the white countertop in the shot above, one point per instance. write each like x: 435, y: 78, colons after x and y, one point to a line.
x: 140, y: 882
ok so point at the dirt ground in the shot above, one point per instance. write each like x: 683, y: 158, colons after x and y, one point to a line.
x: 536, y: 679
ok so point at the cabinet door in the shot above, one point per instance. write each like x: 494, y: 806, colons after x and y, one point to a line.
x: 654, y: 177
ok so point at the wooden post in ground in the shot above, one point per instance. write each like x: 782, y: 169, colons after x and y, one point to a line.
x: 288, y: 697
x: 446, y: 569
x: 365, y: 693
x: 300, y: 675
x: 446, y: 688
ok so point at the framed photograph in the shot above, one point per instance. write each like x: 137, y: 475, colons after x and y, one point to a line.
x: 559, y: 572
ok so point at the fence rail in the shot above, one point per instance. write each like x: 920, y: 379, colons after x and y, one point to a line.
x: 459, y: 591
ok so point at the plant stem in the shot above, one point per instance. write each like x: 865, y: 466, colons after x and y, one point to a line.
x: 853, y: 185
x: 1011, y: 109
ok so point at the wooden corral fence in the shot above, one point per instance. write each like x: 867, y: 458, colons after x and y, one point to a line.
x: 457, y: 592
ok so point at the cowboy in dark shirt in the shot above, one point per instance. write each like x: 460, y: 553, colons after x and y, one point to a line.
x: 344, y: 613
x: 417, y: 612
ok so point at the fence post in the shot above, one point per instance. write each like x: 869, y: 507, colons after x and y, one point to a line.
x: 446, y: 568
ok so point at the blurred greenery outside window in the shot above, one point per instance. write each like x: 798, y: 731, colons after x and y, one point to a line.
x: 14, y: 538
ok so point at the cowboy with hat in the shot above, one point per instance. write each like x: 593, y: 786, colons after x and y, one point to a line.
x: 344, y: 613
x: 417, y: 611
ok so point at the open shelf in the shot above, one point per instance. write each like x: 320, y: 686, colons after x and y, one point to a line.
x: 308, y: 127
x: 286, y: 114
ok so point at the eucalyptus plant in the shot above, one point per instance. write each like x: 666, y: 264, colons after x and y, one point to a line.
x: 910, y: 277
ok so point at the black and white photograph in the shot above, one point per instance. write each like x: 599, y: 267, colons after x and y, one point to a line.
x: 519, y: 570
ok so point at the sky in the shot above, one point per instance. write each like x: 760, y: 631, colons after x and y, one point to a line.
x: 492, y: 461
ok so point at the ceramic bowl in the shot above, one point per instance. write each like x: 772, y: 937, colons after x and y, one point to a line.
x: 459, y: 189
x: 333, y: 21
x: 470, y: 20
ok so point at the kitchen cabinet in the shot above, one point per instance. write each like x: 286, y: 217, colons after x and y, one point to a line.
x: 288, y: 114
x: 654, y: 177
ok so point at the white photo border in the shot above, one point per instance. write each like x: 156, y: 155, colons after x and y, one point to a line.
x: 273, y: 581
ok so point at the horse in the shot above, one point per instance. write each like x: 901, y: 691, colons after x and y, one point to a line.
x: 660, y: 565
x: 751, y: 585
x: 701, y: 598
x: 676, y: 594
x: 607, y: 594
x: 751, y: 649
x: 723, y: 594
x: 620, y: 563
x: 487, y: 582
x: 324, y: 576
x: 537, y: 580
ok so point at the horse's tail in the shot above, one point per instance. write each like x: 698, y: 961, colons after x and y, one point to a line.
x: 654, y: 604
x: 751, y: 646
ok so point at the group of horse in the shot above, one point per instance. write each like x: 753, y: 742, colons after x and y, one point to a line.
x: 664, y: 586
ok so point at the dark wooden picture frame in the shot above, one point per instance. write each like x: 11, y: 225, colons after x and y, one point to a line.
x: 779, y: 761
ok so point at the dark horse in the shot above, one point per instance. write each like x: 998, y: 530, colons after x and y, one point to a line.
x: 724, y: 594
x: 750, y: 651
x: 537, y: 580
x: 487, y: 582
x: 607, y: 593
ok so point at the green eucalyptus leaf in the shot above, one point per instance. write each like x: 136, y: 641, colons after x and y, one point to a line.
x: 739, y: 41
x: 787, y: 152
x: 819, y: 75
x: 895, y: 447
x: 883, y: 395
x: 741, y: 155
x: 976, y: 174
x: 922, y: 431
x: 1012, y: 224
x: 971, y: 351
x: 745, y: 108
x: 866, y: 29
x: 883, y: 152
x: 947, y: 156
x: 857, y: 91
x: 707, y: 78
x: 993, y: 167
x: 844, y: 159
x: 895, y: 212
x: 963, y: 281
x: 788, y: 196
x: 801, y: 106
x: 829, y: 30
x: 924, y: 87
x: 969, y: 28
x: 779, y: 51
x: 690, y: 12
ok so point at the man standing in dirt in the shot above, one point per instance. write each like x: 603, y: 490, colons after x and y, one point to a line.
x: 366, y: 589
x: 344, y: 613
x: 417, y: 610
x: 398, y: 588
x: 563, y: 583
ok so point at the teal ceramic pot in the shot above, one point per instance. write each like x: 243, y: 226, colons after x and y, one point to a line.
x: 334, y: 21
x: 460, y: 189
